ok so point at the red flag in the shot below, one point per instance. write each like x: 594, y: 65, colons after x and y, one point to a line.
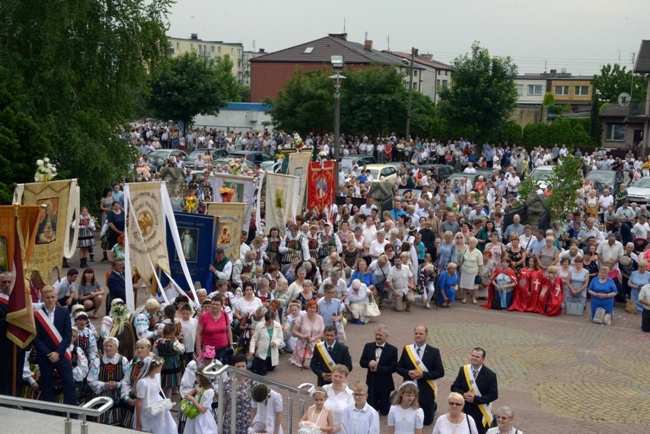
x: 21, y: 328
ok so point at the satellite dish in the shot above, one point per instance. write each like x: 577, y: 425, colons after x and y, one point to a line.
x: 563, y: 70
x: 624, y: 99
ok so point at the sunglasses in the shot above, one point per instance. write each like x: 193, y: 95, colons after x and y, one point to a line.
x: 455, y: 404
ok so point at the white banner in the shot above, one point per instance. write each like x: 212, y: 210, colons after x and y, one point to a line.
x: 235, y: 188
x: 298, y: 166
x: 281, y: 200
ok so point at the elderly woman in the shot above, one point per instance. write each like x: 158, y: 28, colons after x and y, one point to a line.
x: 446, y: 250
x: 602, y: 290
x: 637, y: 280
x: 426, y: 279
x: 447, y: 283
x: 365, y: 275
x: 307, y: 294
x: 504, y: 281
x: 243, y: 398
x: 339, y: 395
x: 177, y: 201
x: 214, y: 330
x: 471, y: 267
x: 455, y: 421
x: 497, y: 249
x: 265, y: 345
x: 106, y: 376
x: 578, y: 281
x: 548, y: 255
x: 308, y: 328
x: 504, y: 417
x: 356, y: 302
x: 516, y: 253
x: 380, y: 268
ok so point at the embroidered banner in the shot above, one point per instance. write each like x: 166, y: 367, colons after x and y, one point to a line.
x: 59, y: 203
x: 298, y: 166
x: 230, y: 220
x: 197, y: 234
x: 145, y: 233
x: 321, y: 187
x: 280, y: 200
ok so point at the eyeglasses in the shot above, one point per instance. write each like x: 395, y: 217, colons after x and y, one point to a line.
x: 359, y: 394
x: 455, y: 404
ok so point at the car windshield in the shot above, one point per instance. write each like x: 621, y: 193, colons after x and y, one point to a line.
x: 541, y: 174
x: 374, y: 173
x: 602, y: 177
x: 643, y: 183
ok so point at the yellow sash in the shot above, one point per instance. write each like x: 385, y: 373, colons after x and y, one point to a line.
x: 327, y: 358
x: 417, y: 362
x: 486, y: 409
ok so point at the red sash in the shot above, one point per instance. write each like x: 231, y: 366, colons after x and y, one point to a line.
x: 51, y: 330
x: 4, y: 299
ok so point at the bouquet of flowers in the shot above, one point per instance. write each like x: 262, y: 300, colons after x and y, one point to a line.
x: 322, y: 155
x: 191, y: 204
x: 297, y: 141
x: 45, y: 170
x: 143, y: 173
x: 235, y: 166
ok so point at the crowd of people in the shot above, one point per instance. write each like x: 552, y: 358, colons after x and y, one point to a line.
x: 298, y: 289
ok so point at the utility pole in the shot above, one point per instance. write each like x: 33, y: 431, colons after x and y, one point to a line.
x: 414, y: 52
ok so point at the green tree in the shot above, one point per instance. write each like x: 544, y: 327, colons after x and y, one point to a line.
x: 614, y: 80
x: 69, y: 74
x: 549, y: 99
x: 483, y: 94
x: 566, y: 181
x: 579, y: 136
x: 559, y: 132
x: 595, y: 125
x: 542, y: 134
x: 530, y: 135
x: 189, y: 85
x: 305, y: 104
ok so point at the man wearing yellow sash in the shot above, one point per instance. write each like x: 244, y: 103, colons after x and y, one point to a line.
x: 478, y: 385
x: 327, y: 354
x: 422, y: 363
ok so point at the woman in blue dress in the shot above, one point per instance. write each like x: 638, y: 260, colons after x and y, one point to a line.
x: 602, y: 291
x: 445, y: 250
x: 366, y: 276
x: 447, y: 283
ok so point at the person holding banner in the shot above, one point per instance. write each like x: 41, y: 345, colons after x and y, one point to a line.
x: 53, y: 337
x: 478, y: 385
x: 422, y: 363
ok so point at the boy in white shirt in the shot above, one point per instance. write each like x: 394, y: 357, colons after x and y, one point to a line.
x: 188, y: 325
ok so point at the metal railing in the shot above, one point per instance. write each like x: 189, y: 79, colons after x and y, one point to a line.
x: 84, y: 411
x: 215, y: 370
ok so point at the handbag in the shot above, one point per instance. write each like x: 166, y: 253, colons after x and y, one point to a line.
x: 259, y: 366
x: 477, y: 280
x: 599, y: 316
x: 630, y: 306
x: 372, y: 310
x: 187, y: 407
x: 340, y: 331
x: 157, y: 407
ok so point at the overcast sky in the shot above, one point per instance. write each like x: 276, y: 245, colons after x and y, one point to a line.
x: 579, y: 35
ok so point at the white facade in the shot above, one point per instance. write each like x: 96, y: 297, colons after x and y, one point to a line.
x: 530, y: 91
x: 237, y: 117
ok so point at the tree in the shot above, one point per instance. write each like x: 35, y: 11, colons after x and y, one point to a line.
x: 305, y: 104
x: 549, y: 99
x: 566, y: 181
x: 614, y: 80
x: 530, y: 135
x: 595, y: 125
x: 559, y: 132
x: 189, y: 85
x: 579, y: 136
x: 483, y: 94
x: 69, y: 74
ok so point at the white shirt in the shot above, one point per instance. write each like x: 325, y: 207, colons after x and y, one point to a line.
x: 641, y: 230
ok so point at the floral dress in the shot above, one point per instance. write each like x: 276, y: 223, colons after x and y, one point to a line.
x: 243, y: 406
x: 304, y: 351
x: 516, y: 257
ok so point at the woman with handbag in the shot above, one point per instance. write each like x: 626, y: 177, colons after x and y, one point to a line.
x: 201, y: 398
x: 264, y: 348
x: 214, y: 330
x: 152, y: 408
x: 471, y: 266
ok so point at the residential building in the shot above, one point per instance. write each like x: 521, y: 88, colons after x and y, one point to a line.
x: 620, y: 130
x: 433, y: 77
x: 642, y: 66
x: 248, y: 55
x: 210, y: 49
x: 271, y: 72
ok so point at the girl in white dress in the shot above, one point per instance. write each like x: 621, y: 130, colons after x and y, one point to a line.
x: 318, y: 415
x: 266, y: 408
x: 202, y: 397
x: 148, y: 392
x: 405, y: 415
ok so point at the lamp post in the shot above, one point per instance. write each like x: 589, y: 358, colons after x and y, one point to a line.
x: 414, y: 52
x: 337, y: 64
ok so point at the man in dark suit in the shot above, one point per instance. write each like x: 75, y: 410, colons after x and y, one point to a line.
x: 327, y: 354
x: 422, y: 363
x: 478, y: 385
x: 53, y: 336
x: 380, y: 358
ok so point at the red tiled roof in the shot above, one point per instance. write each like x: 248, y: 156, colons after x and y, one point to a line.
x: 430, y: 63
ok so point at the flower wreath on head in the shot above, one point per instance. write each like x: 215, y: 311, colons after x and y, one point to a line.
x: 254, y: 396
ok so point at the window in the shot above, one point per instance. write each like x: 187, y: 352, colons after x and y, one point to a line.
x: 438, y: 84
x: 582, y: 90
x: 520, y: 89
x: 615, y: 132
x: 219, y: 50
x: 534, y: 89
x: 444, y: 84
x: 415, y: 73
x: 561, y: 90
x: 212, y: 49
x: 178, y: 45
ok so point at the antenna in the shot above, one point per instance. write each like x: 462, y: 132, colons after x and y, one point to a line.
x: 545, y: 62
x: 253, y: 44
x: 388, y: 42
x: 343, y: 24
x: 365, y: 37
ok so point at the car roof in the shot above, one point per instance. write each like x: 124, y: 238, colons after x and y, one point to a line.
x: 378, y: 166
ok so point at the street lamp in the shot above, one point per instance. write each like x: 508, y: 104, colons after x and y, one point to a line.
x: 414, y: 53
x: 337, y: 63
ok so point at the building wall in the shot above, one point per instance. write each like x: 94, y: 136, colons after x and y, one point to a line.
x: 210, y: 49
x: 235, y: 120
x: 526, y: 98
x: 524, y: 115
x: 630, y: 128
x: 572, y: 97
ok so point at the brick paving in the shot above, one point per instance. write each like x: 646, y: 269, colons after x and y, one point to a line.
x: 561, y: 374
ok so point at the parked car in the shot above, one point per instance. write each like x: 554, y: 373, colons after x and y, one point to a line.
x: 360, y: 159
x: 609, y: 178
x: 541, y: 175
x: 267, y: 166
x: 440, y: 171
x: 194, y: 155
x: 382, y: 172
x: 252, y: 157
x: 473, y: 177
x: 157, y: 158
x: 639, y: 191
x: 486, y: 172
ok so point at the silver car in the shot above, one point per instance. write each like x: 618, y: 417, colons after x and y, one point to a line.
x: 639, y: 191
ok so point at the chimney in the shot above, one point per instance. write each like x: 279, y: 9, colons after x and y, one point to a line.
x: 427, y: 56
x: 553, y: 71
x: 194, y: 36
x: 343, y: 36
x: 261, y: 50
x: 367, y: 45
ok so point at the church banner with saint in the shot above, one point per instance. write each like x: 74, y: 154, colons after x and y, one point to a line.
x: 230, y: 221
x: 298, y: 167
x: 281, y: 200
x: 145, y: 231
x: 59, y: 205
x: 321, y: 186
